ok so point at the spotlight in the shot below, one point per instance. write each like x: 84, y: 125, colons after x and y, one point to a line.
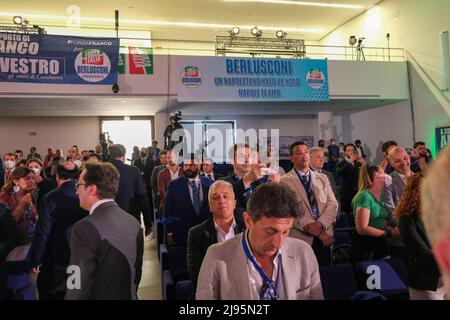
x: 256, y: 32
x: 18, y: 20
x: 352, y: 40
x: 280, y: 34
x: 235, y: 31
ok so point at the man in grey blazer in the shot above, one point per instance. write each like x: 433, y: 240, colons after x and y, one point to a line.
x: 262, y: 263
x: 317, y: 161
x: 107, y: 246
x: 400, y: 161
x: 390, y: 196
x: 316, y: 199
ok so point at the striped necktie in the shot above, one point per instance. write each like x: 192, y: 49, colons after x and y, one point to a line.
x: 311, y: 198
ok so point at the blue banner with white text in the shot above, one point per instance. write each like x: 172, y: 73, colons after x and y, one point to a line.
x: 34, y: 58
x: 251, y: 79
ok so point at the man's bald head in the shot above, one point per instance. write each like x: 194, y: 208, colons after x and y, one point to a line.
x: 399, y: 160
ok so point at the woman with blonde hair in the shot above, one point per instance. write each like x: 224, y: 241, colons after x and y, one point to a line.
x: 425, y: 282
x: 369, y: 240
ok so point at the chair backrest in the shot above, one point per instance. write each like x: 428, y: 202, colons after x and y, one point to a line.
x: 177, y: 262
x: 338, y: 282
x: 388, y: 278
x: 341, y: 238
x: 183, y: 290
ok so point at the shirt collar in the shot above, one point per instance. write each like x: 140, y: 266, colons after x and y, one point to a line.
x: 233, y: 225
x: 303, y: 174
x: 196, y: 179
x: 98, y: 203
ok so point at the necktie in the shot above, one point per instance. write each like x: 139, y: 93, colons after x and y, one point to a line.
x: 196, y: 197
x: 210, y: 176
x: 311, y: 197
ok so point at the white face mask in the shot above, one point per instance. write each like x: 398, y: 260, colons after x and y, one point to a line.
x: 387, y: 180
x: 9, y: 165
x: 77, y: 163
x: 37, y: 171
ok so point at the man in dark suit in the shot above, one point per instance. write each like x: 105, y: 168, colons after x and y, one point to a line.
x: 132, y: 195
x: 186, y: 202
x: 146, y: 165
x: 58, y: 212
x: 154, y: 180
x: 153, y: 152
x: 107, y: 246
x: 348, y: 169
x: 224, y: 224
x: 208, y: 170
x: 360, y: 149
x: 33, y: 154
x: 333, y: 155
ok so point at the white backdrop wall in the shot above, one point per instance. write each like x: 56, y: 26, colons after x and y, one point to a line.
x: 373, y: 127
x: 58, y: 132
x: 413, y: 24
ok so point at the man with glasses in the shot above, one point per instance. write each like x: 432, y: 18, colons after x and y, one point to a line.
x: 107, y: 246
x: 262, y: 263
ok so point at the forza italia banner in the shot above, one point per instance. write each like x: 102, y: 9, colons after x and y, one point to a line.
x: 33, y: 58
x: 202, y: 79
x: 136, y: 61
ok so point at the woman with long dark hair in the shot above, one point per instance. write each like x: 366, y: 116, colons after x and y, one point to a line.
x: 425, y: 282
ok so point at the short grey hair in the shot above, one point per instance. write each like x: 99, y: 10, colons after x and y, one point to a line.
x: 314, y: 150
x: 218, y: 183
x: 394, y: 150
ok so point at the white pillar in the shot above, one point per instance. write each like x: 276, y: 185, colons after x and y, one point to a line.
x: 446, y: 59
x: 325, y: 126
x: 160, y: 126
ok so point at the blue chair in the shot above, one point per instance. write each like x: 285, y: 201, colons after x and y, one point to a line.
x: 344, y: 223
x: 183, y: 290
x: 21, y: 288
x: 173, y: 269
x: 341, y: 248
x: 391, y: 285
x: 338, y: 282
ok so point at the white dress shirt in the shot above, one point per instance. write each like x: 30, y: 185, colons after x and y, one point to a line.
x: 222, y: 235
x: 199, y: 184
x: 256, y: 281
x: 174, y: 176
x: 99, y: 202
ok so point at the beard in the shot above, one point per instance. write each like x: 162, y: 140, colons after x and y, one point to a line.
x: 191, y: 174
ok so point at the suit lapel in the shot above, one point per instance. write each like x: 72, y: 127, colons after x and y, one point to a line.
x: 299, y: 188
x: 316, y: 183
x: 238, y: 267
x: 288, y: 268
x: 210, y: 233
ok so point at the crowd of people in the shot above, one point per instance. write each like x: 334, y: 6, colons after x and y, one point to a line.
x: 251, y: 232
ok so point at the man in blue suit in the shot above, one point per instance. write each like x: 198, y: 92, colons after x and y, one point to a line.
x: 186, y: 203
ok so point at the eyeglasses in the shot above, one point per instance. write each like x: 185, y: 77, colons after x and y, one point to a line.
x: 77, y: 185
x: 268, y: 291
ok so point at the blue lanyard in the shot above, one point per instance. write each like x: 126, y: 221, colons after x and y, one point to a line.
x: 261, y: 272
x: 308, y: 184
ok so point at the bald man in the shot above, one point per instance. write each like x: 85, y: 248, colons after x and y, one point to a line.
x: 436, y: 213
x: 50, y: 250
